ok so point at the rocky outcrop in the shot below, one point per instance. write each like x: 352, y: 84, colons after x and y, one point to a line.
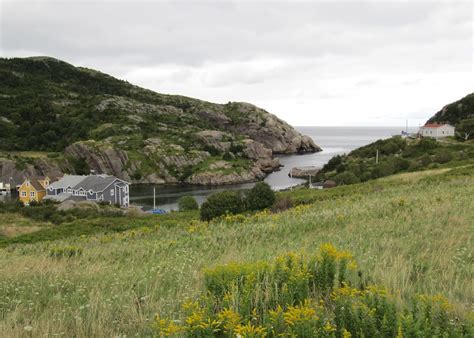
x: 303, y: 172
x: 215, y: 139
x: 14, y: 171
x: 101, y: 158
x: 222, y: 178
x: 272, y: 132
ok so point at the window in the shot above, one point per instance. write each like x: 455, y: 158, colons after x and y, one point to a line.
x: 23, y: 194
x: 32, y: 194
x: 27, y: 183
x: 111, y: 192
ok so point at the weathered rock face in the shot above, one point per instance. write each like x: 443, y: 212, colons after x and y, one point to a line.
x: 272, y: 132
x: 101, y: 159
x: 303, y: 172
x: 11, y: 172
x: 215, y: 139
x: 220, y: 178
x: 256, y: 151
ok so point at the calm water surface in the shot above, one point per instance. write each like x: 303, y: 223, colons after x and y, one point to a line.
x: 333, y: 141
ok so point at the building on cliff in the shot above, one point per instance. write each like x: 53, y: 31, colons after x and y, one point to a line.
x: 435, y: 130
x: 98, y: 188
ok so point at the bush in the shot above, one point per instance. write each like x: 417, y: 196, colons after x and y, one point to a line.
x: 260, y: 197
x: 282, y: 204
x: 443, y: 156
x: 425, y: 160
x: 346, y: 177
x: 187, y: 203
x: 221, y: 203
x: 298, y: 295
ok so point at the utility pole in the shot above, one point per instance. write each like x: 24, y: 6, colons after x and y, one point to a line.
x: 377, y: 157
x: 291, y: 176
x: 309, y: 182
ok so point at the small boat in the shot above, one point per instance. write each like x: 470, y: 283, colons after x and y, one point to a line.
x: 157, y: 212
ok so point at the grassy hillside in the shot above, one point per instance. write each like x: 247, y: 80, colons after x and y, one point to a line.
x: 410, y: 233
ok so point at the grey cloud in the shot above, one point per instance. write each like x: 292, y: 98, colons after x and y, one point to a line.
x: 192, y: 34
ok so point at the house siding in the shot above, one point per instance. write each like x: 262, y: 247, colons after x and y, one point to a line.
x: 117, y: 192
x: 442, y: 131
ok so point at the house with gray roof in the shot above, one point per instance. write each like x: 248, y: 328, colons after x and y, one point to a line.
x: 98, y: 188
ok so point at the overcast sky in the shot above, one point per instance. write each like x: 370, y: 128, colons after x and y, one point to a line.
x: 311, y: 63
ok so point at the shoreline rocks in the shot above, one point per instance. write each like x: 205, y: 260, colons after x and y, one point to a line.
x: 303, y: 172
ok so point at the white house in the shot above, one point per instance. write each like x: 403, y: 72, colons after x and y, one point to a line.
x: 436, y: 130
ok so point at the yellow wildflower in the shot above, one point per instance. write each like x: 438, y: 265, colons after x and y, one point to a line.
x: 299, y: 314
x: 329, y: 328
x: 346, y: 334
x: 229, y: 319
x: 250, y: 330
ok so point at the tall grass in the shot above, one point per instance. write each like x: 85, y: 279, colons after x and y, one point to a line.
x: 412, y: 237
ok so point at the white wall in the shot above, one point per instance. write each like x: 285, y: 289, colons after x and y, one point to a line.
x: 442, y: 131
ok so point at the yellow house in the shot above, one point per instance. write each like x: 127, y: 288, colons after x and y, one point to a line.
x: 33, y: 189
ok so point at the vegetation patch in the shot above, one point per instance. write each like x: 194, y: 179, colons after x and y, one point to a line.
x: 299, y: 296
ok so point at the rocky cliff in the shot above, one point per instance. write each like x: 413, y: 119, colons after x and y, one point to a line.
x: 76, y: 120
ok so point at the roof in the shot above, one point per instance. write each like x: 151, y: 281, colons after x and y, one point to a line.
x: 435, y: 125
x: 68, y: 181
x: 64, y: 197
x: 96, y: 182
x: 35, y: 184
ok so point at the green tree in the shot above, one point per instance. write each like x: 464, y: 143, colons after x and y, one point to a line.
x: 466, y: 129
x: 260, y: 197
x: 222, y: 203
x: 187, y: 203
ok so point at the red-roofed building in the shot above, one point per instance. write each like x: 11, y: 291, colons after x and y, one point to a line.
x: 436, y: 130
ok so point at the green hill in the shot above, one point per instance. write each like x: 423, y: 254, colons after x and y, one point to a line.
x: 454, y: 113
x: 112, y: 126
x: 459, y: 114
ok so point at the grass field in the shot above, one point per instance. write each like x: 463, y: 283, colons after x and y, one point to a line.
x: 411, y: 233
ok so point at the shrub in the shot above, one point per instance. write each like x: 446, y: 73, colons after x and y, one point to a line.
x: 425, y: 160
x: 333, y: 163
x: 346, y: 177
x: 307, y: 296
x: 221, y: 203
x: 187, y: 203
x: 282, y: 204
x: 260, y: 197
x: 443, y: 156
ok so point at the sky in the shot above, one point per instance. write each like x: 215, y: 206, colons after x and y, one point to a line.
x: 322, y: 63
